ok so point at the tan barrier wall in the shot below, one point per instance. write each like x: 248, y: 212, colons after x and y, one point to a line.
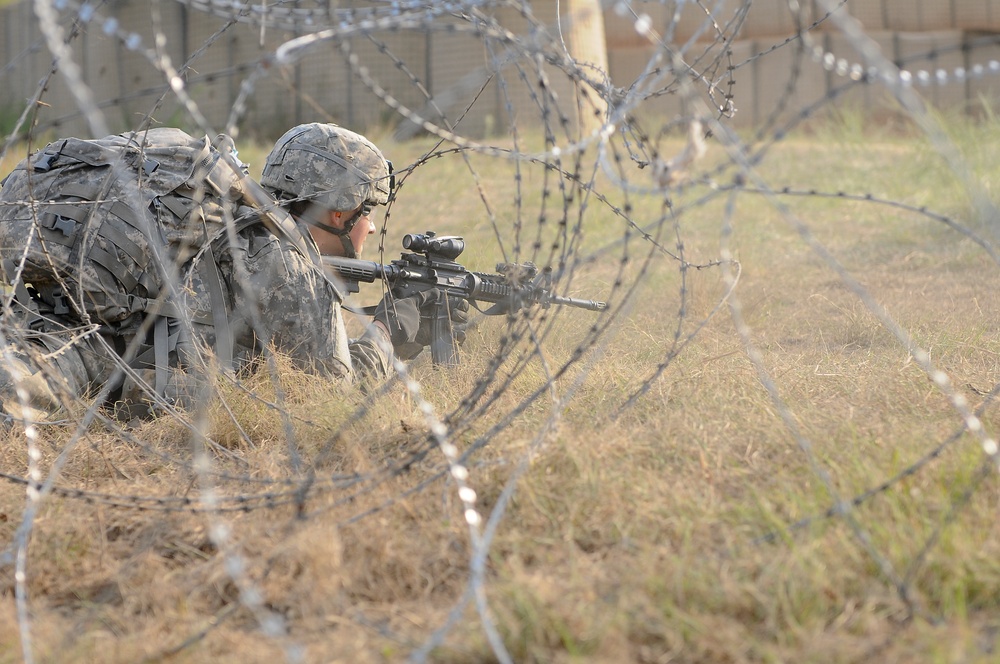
x: 454, y: 67
x: 790, y: 79
x: 772, y: 18
x: 457, y: 67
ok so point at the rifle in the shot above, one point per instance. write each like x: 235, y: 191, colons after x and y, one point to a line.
x: 432, y: 264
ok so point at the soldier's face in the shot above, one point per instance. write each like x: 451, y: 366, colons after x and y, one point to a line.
x: 330, y: 245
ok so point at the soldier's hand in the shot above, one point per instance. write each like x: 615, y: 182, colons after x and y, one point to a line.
x: 456, y: 319
x: 410, y: 320
x: 401, y: 315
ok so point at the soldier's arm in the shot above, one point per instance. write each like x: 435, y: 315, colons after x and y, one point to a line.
x: 286, y: 301
x: 371, y: 355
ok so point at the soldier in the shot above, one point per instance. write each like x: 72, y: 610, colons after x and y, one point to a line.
x: 254, y: 285
x: 330, y: 179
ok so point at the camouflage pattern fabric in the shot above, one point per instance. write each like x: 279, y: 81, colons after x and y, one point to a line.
x: 100, y: 226
x: 330, y: 165
x: 282, y: 296
x: 274, y: 295
x: 96, y: 263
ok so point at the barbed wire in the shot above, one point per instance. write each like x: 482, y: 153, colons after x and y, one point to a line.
x: 600, y: 187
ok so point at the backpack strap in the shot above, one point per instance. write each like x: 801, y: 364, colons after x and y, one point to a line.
x: 272, y: 215
x: 63, y: 222
x: 209, y: 270
x: 161, y: 353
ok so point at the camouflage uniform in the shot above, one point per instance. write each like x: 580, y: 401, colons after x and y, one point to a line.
x: 276, y: 295
x: 280, y: 295
x: 260, y: 291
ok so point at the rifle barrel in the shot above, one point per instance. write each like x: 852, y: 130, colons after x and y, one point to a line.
x: 590, y: 305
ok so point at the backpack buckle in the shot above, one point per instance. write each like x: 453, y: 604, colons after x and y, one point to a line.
x: 43, y: 162
x: 57, y: 222
x: 132, y: 157
x: 66, y: 226
x: 60, y: 303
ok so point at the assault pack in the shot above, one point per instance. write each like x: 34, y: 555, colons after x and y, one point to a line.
x: 97, y: 223
x: 98, y: 230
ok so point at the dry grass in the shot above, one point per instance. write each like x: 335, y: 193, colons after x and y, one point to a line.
x: 631, y: 537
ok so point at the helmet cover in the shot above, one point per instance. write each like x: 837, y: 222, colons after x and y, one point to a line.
x: 329, y: 165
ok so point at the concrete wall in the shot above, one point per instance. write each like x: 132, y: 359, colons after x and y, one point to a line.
x: 772, y: 18
x: 475, y: 82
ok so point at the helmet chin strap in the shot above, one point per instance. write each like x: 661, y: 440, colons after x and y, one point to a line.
x: 349, y: 251
x: 343, y: 233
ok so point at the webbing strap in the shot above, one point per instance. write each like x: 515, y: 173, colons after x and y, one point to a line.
x: 148, y: 357
x: 112, y: 264
x: 223, y: 334
x: 161, y: 354
x: 74, y: 211
x: 169, y: 310
x: 129, y: 216
x: 91, y: 193
x: 148, y: 281
x: 173, y: 205
x: 85, y: 191
x: 122, y: 241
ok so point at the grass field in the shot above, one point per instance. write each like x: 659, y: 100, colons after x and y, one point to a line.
x: 655, y: 502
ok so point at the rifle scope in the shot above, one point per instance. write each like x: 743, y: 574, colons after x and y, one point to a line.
x: 447, y: 246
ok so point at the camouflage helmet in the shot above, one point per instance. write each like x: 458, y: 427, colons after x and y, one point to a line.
x: 330, y: 165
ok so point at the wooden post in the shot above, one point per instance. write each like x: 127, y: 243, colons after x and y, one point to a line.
x: 582, y: 30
